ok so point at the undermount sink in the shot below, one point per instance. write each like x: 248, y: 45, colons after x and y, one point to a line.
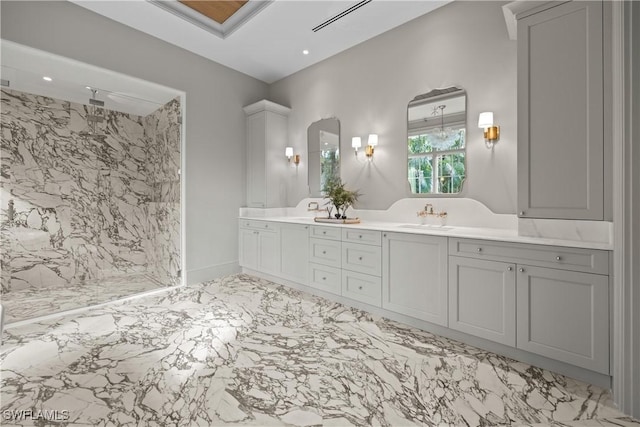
x: 425, y: 226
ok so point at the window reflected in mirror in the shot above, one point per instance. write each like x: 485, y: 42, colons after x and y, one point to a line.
x: 323, y: 139
x: 436, y: 123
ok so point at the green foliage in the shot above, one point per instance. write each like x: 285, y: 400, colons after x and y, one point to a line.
x: 339, y: 196
x: 426, y: 164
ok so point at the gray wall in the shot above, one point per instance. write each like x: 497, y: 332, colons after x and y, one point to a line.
x: 368, y: 87
x: 215, y: 95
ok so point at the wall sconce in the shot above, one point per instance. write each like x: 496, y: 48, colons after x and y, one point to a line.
x: 491, y: 132
x: 288, y: 152
x: 371, y: 144
x: 356, y: 142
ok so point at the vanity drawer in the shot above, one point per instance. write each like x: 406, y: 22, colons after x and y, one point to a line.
x: 362, y: 258
x: 368, y: 237
x: 320, y: 232
x: 258, y: 225
x: 325, y: 278
x: 325, y: 252
x: 362, y: 287
x: 559, y: 257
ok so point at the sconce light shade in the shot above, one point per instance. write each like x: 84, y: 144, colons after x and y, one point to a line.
x: 373, y: 139
x: 288, y: 152
x: 491, y: 132
x: 485, y: 120
x: 356, y: 142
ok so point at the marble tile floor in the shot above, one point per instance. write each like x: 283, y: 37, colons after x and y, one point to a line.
x: 244, y: 351
x: 30, y: 303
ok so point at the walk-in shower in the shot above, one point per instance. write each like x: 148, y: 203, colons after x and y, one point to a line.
x: 90, y: 186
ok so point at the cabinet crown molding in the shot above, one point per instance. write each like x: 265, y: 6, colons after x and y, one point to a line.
x: 521, y: 8
x: 265, y: 105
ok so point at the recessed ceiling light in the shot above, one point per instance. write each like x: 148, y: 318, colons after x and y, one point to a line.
x: 305, y: 52
x: 48, y: 79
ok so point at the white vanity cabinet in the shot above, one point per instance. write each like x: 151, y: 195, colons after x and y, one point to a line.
x: 325, y: 259
x: 560, y: 296
x: 561, y: 112
x: 414, y: 276
x: 259, y: 246
x: 482, y: 298
x: 294, y: 256
x: 361, y: 265
x: 266, y: 137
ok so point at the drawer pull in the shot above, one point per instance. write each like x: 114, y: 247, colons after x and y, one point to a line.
x: 324, y: 278
x: 360, y: 236
x: 324, y: 232
x: 324, y: 252
x: 360, y: 287
x: 521, y: 270
x: 479, y: 249
x: 509, y: 268
x: 360, y: 258
x: 558, y: 258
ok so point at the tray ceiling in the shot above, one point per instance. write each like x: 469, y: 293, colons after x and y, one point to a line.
x: 264, y: 38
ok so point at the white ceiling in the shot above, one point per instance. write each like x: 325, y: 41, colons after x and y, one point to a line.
x: 269, y: 45
x: 25, y: 67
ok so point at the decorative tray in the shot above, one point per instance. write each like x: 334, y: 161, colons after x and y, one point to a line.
x: 337, y: 221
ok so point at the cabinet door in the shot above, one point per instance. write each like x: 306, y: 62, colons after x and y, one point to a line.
x: 294, y: 253
x: 564, y: 315
x: 256, y: 169
x: 414, y: 276
x: 268, y: 252
x: 560, y: 113
x: 248, y: 256
x: 482, y: 299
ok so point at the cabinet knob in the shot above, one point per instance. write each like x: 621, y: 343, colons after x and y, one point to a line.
x: 479, y: 249
x: 360, y: 258
x: 384, y: 235
x: 521, y: 213
x: 521, y: 270
x: 360, y: 287
x: 558, y: 258
x: 324, y: 278
x: 509, y: 268
x: 360, y: 236
x: 306, y: 227
x: 324, y: 252
x: 324, y: 232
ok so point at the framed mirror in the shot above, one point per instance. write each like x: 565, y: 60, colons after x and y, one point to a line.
x: 323, y: 139
x: 436, y: 129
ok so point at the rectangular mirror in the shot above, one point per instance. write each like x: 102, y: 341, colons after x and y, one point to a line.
x: 436, y: 126
x: 323, y: 139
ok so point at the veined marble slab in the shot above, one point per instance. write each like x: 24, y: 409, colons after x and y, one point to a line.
x: 85, y: 208
x: 244, y: 351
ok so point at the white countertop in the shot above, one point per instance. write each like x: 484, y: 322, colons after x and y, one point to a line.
x: 484, y: 233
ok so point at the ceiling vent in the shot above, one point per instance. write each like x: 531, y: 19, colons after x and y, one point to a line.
x: 341, y: 15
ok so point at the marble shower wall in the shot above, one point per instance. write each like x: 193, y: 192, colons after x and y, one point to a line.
x: 78, y: 209
x: 162, y: 246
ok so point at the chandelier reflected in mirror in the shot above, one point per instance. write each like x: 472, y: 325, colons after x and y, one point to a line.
x: 442, y: 137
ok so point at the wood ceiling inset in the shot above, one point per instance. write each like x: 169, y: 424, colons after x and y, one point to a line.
x: 218, y: 10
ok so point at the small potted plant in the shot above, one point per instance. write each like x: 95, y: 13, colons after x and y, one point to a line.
x: 339, y: 197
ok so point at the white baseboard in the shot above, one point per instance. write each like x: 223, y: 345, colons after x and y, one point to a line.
x: 212, y: 272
